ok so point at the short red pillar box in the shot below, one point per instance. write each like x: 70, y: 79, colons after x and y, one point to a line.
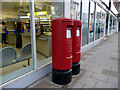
x: 76, y: 47
x: 62, y: 50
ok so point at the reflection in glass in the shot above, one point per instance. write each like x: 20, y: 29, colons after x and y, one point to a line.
x: 98, y: 22
x: 102, y: 23
x: 91, y: 27
x: 15, y: 42
x: 75, y: 9
x: 43, y: 25
x: 110, y: 25
x: 114, y: 24
x: 85, y: 9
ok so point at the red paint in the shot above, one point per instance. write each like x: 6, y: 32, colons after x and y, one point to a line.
x: 76, y: 41
x: 61, y: 45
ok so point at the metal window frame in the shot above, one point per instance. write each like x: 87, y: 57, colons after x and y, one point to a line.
x: 82, y: 24
x: 95, y: 21
x: 33, y: 34
x: 63, y: 8
x: 81, y: 10
x: 105, y: 23
x: 88, y: 40
x: 109, y: 24
x: 100, y: 22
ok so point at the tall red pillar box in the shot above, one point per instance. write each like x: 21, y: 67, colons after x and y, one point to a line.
x: 76, y: 47
x: 62, y: 50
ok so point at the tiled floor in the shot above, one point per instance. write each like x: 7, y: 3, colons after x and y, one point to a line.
x: 99, y: 68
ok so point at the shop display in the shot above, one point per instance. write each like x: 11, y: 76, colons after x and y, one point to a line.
x: 75, y: 10
x: 91, y: 28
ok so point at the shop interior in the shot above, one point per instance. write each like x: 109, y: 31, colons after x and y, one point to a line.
x: 16, y: 34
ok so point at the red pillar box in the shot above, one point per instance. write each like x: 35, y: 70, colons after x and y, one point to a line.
x: 62, y: 50
x: 76, y: 47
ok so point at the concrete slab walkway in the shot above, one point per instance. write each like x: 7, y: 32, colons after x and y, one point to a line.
x: 99, y: 68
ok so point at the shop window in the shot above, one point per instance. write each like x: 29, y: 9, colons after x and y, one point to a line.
x: 75, y: 9
x: 85, y: 13
x: 44, y: 13
x: 91, y: 27
x: 110, y: 25
x: 98, y: 22
x: 103, y: 23
x: 15, y: 50
x: 106, y: 27
x: 114, y: 24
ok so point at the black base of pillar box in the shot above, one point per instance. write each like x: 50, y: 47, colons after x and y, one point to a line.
x: 75, y: 68
x: 61, y: 77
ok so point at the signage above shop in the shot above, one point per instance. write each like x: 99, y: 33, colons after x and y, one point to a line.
x: 38, y: 13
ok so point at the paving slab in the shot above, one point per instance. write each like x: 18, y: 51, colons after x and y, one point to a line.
x: 43, y: 85
x: 110, y: 73
x: 100, y: 77
x: 102, y: 84
x: 113, y: 80
x: 86, y: 86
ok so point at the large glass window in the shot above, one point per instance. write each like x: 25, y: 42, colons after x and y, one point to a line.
x: 110, y: 25
x: 114, y: 24
x: 91, y: 27
x: 85, y: 13
x: 98, y: 22
x: 44, y: 13
x: 75, y: 9
x: 15, y: 42
x: 106, y: 27
x: 103, y: 22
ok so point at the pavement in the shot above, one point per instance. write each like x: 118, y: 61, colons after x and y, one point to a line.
x: 99, y: 68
